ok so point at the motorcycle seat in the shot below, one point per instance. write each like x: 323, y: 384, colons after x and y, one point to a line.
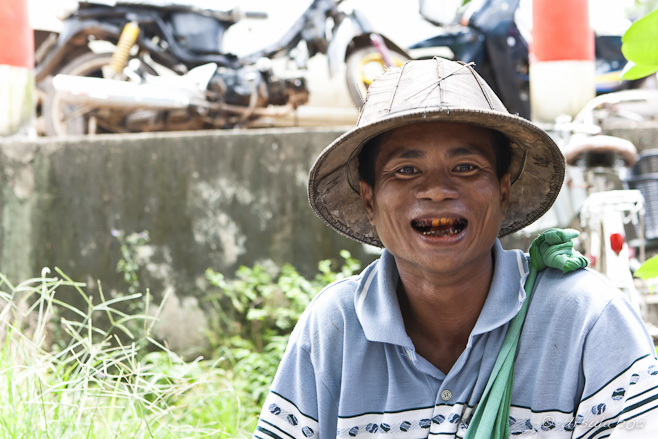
x: 600, y: 150
x: 205, y: 7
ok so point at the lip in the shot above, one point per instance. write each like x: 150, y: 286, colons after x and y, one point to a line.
x: 440, y: 227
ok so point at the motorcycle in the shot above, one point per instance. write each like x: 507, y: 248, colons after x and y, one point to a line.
x: 486, y: 32
x: 161, y: 66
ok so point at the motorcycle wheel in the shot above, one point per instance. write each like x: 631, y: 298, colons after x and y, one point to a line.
x: 62, y: 118
x: 363, y: 65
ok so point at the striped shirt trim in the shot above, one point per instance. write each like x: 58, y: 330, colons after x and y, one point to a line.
x: 281, y: 419
x: 364, y: 291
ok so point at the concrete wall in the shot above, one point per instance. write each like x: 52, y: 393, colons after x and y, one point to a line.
x: 215, y: 199
x: 207, y: 199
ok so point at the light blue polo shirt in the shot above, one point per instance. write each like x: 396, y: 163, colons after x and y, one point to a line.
x: 586, y: 365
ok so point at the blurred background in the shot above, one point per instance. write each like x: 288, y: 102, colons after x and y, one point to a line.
x: 156, y: 242
x: 401, y: 22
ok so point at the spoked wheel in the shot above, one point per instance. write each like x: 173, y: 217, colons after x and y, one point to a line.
x: 62, y: 118
x: 66, y: 118
x: 363, y: 65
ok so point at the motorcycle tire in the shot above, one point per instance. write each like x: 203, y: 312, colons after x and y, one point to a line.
x: 54, y: 111
x: 363, y: 65
x: 60, y: 118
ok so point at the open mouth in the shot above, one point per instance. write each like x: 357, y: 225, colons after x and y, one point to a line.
x: 440, y: 227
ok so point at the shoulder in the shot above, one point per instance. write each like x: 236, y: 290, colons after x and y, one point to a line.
x: 589, y: 311
x: 580, y: 332
x: 568, y: 309
x: 333, y: 305
x: 584, y: 291
x: 332, y: 313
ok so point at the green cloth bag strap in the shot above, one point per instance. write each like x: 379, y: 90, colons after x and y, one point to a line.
x: 553, y: 248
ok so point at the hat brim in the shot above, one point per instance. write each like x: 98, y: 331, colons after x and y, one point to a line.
x: 537, y: 170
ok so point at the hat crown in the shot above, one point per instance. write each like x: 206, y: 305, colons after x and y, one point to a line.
x: 435, y: 84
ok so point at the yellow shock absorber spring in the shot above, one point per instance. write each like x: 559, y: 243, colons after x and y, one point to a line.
x: 126, y: 41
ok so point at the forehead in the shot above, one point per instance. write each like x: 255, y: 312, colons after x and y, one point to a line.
x: 437, y: 136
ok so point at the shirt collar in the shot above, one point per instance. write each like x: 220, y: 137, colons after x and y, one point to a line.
x: 378, y: 310
x: 506, y: 293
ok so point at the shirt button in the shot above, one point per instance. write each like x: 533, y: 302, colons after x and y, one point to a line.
x: 446, y: 395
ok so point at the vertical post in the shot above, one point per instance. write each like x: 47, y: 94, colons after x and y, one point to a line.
x: 562, y: 70
x: 16, y: 68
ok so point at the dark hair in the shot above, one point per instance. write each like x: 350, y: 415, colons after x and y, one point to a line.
x: 367, y: 159
x: 370, y: 150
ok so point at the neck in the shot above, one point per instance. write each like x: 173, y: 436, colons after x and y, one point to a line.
x: 440, y: 312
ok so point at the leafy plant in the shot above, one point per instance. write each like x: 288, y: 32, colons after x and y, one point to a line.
x: 648, y: 271
x: 259, y: 310
x: 640, y: 47
x: 128, y: 264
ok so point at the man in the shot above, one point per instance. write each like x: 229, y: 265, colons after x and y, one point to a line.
x: 434, y: 172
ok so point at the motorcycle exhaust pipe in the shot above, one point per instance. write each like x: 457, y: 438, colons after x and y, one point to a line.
x: 100, y: 92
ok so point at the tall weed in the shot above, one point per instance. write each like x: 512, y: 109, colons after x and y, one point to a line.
x: 258, y: 310
x: 93, y: 385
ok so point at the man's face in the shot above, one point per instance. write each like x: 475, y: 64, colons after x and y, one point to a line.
x: 437, y: 203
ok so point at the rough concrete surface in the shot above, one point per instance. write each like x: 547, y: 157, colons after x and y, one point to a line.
x: 214, y: 199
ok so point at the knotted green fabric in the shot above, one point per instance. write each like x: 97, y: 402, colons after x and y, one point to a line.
x: 553, y: 248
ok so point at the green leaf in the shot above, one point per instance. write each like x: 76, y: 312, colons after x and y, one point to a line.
x: 637, y: 71
x: 640, y: 42
x: 648, y: 270
x: 256, y: 314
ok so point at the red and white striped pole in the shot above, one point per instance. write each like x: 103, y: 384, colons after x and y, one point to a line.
x: 16, y: 68
x: 562, y: 70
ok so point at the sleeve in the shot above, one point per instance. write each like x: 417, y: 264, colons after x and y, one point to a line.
x: 299, y: 404
x: 620, y: 396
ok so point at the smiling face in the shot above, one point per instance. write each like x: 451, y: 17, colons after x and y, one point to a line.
x: 437, y: 203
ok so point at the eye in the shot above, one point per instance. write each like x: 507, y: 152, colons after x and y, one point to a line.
x: 407, y: 170
x: 465, y: 167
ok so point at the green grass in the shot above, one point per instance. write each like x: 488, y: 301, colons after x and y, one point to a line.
x: 63, y: 376
x: 98, y: 373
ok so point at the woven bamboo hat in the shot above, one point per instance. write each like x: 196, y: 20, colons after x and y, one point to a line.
x: 424, y: 91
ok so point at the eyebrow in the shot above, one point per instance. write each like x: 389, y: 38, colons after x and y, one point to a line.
x: 411, y: 154
x: 466, y: 150
x: 452, y: 153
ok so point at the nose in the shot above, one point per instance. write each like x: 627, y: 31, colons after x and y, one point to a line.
x: 436, y: 186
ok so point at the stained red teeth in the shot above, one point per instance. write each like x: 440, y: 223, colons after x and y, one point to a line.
x: 440, y: 226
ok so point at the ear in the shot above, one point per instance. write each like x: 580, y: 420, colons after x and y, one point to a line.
x: 368, y: 198
x: 505, y: 189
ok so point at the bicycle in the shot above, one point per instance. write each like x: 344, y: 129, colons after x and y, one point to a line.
x: 611, y: 217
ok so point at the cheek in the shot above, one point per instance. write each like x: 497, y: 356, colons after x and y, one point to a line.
x: 387, y: 208
x: 494, y: 204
